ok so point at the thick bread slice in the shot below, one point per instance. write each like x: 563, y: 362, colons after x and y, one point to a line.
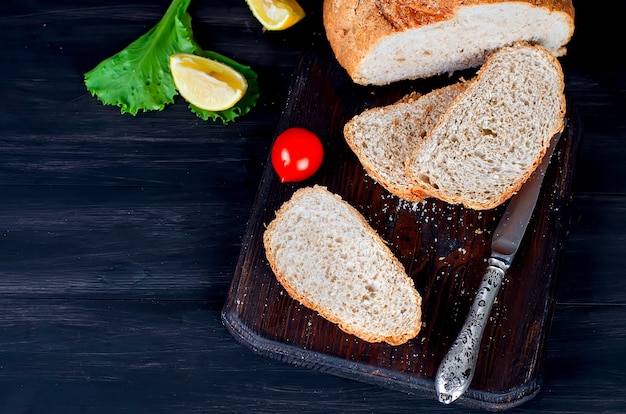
x: 383, y: 41
x: 495, y: 133
x: 384, y: 137
x: 327, y: 256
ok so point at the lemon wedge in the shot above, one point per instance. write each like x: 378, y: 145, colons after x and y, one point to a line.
x: 276, y: 14
x: 207, y: 83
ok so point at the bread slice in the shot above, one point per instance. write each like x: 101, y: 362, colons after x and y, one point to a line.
x: 326, y: 255
x: 384, y: 137
x: 495, y: 133
x: 383, y: 41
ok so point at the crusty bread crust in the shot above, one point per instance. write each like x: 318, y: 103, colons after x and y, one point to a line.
x: 477, y: 88
x: 356, y: 28
x: 403, y: 287
x: 384, y: 137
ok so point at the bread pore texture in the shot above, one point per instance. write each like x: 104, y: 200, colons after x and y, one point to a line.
x: 327, y: 257
x: 384, y: 137
x: 495, y: 133
x: 383, y: 41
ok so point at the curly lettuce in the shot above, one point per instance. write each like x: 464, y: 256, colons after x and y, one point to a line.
x: 138, y: 78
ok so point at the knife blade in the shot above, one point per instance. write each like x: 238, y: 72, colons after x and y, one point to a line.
x: 456, y: 371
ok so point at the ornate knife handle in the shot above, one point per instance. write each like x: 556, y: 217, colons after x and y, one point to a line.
x: 456, y: 371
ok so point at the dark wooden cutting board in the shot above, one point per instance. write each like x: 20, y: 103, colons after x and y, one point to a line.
x: 443, y: 248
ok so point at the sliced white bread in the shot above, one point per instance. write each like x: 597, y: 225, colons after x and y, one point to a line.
x: 383, y: 41
x: 495, y: 133
x: 383, y: 138
x: 326, y: 256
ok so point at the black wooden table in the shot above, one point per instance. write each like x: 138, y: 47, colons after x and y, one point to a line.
x: 119, y: 235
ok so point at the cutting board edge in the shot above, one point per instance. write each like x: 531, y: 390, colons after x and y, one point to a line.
x: 371, y: 374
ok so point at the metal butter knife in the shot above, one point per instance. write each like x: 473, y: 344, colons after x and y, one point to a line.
x: 457, y: 368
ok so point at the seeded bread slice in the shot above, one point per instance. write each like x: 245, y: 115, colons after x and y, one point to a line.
x: 495, y: 133
x: 326, y: 255
x: 383, y: 138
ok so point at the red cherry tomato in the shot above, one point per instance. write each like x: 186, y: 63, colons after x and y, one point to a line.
x: 297, y: 154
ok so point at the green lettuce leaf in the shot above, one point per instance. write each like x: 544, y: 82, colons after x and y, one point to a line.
x: 138, y: 78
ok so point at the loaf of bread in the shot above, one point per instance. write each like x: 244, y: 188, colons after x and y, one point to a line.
x: 326, y: 255
x: 383, y: 138
x: 495, y: 133
x: 383, y: 41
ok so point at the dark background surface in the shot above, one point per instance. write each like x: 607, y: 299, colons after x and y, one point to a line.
x: 119, y: 235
